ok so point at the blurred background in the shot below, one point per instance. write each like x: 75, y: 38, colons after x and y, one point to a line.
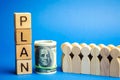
x: 88, y: 21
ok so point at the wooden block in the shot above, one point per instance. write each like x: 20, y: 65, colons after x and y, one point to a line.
x: 76, y: 61
x: 22, y: 20
x: 23, y: 36
x: 23, y: 52
x: 24, y: 67
x: 115, y: 63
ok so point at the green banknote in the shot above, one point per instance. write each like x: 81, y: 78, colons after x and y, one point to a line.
x: 45, y: 56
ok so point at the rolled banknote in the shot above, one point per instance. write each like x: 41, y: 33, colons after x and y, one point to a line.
x: 45, y: 56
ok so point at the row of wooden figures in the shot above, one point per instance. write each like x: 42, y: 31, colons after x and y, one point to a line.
x: 94, y: 66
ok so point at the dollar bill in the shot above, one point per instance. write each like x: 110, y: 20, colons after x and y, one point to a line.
x: 45, y: 58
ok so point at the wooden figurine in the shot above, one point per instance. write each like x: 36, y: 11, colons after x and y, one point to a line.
x: 115, y: 63
x: 85, y: 63
x: 76, y: 61
x: 104, y: 64
x: 67, y: 62
x: 95, y: 62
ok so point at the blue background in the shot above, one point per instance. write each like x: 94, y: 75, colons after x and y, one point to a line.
x: 89, y: 21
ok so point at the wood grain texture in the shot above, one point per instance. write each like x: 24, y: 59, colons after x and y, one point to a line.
x: 76, y: 61
x: 22, y: 20
x: 104, y: 64
x: 23, y: 52
x: 67, y: 62
x: 111, y: 46
x: 95, y: 63
x: 23, y: 36
x: 85, y: 63
x: 24, y: 67
x: 101, y: 45
x: 83, y: 44
x: 118, y: 46
x: 115, y: 63
x: 92, y: 45
x: 62, y: 59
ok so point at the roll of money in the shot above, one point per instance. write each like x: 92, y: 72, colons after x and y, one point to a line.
x: 45, y: 56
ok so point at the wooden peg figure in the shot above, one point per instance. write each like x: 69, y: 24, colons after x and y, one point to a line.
x: 85, y: 62
x: 104, y: 64
x: 95, y: 62
x: 76, y: 61
x: 66, y: 63
x: 115, y: 63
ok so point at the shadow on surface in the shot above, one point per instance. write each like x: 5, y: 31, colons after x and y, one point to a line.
x: 59, y: 69
x: 9, y: 71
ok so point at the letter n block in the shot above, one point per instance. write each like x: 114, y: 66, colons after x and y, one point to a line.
x: 24, y: 67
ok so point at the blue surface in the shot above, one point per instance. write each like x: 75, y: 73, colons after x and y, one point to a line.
x: 89, y: 21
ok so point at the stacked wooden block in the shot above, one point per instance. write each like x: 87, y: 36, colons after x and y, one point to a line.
x: 23, y: 43
x: 91, y: 59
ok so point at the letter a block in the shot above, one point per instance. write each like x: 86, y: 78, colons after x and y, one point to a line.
x: 23, y: 52
x: 24, y: 66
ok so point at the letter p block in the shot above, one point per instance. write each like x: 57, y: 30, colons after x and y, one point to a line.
x: 23, y: 20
